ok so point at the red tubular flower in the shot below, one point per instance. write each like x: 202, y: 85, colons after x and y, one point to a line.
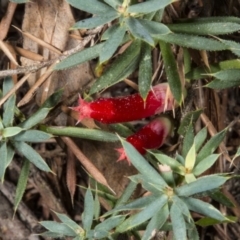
x: 151, y: 136
x: 129, y: 108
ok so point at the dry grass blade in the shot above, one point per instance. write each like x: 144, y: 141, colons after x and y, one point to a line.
x: 75, y: 36
x: 204, y: 56
x: 93, y: 171
x: 221, y: 233
x: 26, y: 53
x: 40, y: 42
x: 132, y: 84
x: 8, y: 51
x: 34, y: 88
x: 7, y: 19
x: 168, y: 94
x: 71, y: 174
x: 13, y: 90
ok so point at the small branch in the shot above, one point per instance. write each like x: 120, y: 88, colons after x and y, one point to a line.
x: 36, y: 67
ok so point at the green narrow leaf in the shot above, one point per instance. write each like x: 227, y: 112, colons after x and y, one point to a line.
x: 10, y: 154
x: 102, y: 191
x: 192, y: 41
x: 41, y: 114
x: 189, y: 177
x: 187, y: 141
x: 189, y: 118
x: 69, y: 222
x: 1, y: 128
x: 110, y: 31
x: 169, y: 178
x: 237, y: 154
x: 110, y: 223
x: 22, y: 183
x: 187, y: 60
x: 201, y: 72
x: 149, y: 6
x: 227, y: 75
x: 171, y: 71
x: 97, y: 207
x: 211, y: 145
x: 88, y: 213
x: 204, y: 208
x: 225, y: 79
x: 36, y: 118
x: 123, y: 66
x: 8, y: 113
x: 145, y: 71
x: 154, y: 27
x: 175, y: 165
x: 11, y: 131
x: 224, y: 19
x: 137, y: 204
x: 202, y: 184
x: 180, y: 159
x: 90, y: 234
x: 3, y: 161
x: 158, y: 15
x: 49, y: 234
x: 32, y: 136
x: 111, y: 45
x: 222, y: 84
x: 80, y: 57
x: 221, y: 198
x: 147, y: 213
x: 142, y: 165
x: 85, y: 133
x: 53, y: 99
x: 7, y: 85
x: 200, y: 138
x: 126, y: 194
x: 148, y: 183
x: 123, y: 130
x: 192, y: 231
x: 98, y: 234
x: 234, y: 47
x: 205, y: 164
x: 91, y: 6
x: 79, y: 237
x: 58, y: 228
x: 229, y: 64
x: 190, y: 158
x: 114, y: 3
x: 138, y: 30
x: 182, y: 207
x: 31, y: 155
x: 178, y: 222
x: 207, y: 221
x: 94, y: 22
x: 156, y: 223
x: 205, y: 28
